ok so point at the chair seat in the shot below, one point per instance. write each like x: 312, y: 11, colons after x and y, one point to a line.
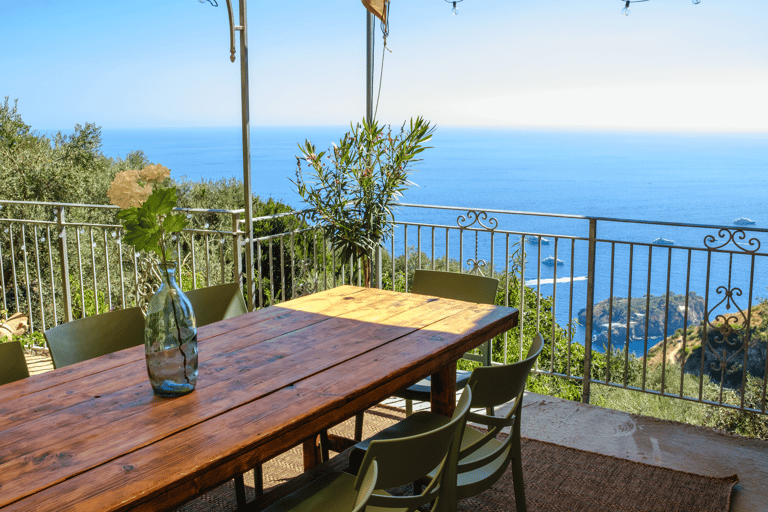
x: 417, y: 423
x: 333, y: 491
x: 471, y: 483
x: 421, y: 390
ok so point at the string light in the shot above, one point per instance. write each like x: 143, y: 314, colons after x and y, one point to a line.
x: 625, y: 10
x: 455, y: 9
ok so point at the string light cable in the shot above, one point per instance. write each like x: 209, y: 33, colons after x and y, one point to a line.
x: 625, y: 10
x: 384, y: 35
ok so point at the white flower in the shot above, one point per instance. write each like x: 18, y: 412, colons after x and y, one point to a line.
x: 126, y: 191
x: 154, y: 173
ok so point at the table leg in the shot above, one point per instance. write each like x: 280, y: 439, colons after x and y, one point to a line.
x: 443, y: 395
x: 311, y: 453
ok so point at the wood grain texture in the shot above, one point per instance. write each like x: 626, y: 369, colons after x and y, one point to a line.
x: 268, y: 380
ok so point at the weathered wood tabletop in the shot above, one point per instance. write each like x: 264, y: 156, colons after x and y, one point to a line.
x: 92, y: 436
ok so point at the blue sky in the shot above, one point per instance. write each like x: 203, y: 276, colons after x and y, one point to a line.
x: 670, y: 65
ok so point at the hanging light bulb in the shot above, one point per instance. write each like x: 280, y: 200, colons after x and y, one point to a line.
x: 454, y: 10
x: 625, y: 10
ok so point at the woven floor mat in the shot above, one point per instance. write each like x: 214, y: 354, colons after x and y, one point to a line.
x: 557, y: 479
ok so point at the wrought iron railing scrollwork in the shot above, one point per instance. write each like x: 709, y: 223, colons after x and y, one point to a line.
x: 479, y: 218
x: 729, y: 330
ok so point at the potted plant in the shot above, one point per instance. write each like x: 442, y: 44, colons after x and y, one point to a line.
x: 354, y: 186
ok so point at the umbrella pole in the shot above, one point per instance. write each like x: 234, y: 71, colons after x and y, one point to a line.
x: 245, y: 104
x: 369, y: 25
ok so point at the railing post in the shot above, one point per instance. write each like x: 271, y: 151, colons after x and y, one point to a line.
x: 590, y: 311
x: 66, y: 289
x: 378, y: 267
x: 237, y: 255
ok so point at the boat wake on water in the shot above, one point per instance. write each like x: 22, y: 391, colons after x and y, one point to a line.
x: 534, y: 282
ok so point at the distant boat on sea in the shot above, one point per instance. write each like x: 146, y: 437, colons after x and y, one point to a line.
x: 535, y: 240
x: 550, y: 262
x: 663, y: 241
x: 743, y: 221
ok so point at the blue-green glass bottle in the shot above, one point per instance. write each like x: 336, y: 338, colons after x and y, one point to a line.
x: 170, y: 338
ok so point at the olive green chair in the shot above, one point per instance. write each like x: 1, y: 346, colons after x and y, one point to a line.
x: 450, y: 285
x: 483, y: 458
x: 13, y: 365
x: 94, y: 336
x: 431, y: 454
x: 216, y: 303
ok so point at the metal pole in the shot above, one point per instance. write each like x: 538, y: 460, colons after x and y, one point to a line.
x: 369, y: 26
x: 244, y: 100
x: 590, y: 311
x: 66, y: 288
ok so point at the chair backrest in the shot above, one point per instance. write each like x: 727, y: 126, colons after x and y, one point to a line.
x: 493, y: 386
x: 365, y: 487
x: 13, y: 365
x: 216, y: 303
x: 408, y: 459
x: 467, y: 287
x: 451, y: 285
x: 94, y: 336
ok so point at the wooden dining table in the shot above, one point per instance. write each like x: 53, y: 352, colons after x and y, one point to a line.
x: 93, y: 436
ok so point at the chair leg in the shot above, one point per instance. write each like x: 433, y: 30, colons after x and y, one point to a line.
x: 359, y: 426
x: 324, y: 455
x: 240, y: 492
x: 517, y: 476
x: 258, y: 480
x: 408, y: 407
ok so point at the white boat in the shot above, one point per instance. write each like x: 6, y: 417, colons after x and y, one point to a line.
x: 743, y: 221
x: 535, y: 240
x: 550, y: 262
x: 663, y: 241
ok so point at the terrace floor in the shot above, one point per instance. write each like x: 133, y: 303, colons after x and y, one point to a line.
x: 663, y: 443
x: 659, y: 442
x: 638, y: 438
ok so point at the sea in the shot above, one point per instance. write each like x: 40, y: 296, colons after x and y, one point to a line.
x: 692, y: 178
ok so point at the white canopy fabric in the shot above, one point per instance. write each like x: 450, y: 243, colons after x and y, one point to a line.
x: 378, y: 8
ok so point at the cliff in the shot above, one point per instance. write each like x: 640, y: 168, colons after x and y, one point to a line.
x: 675, y: 318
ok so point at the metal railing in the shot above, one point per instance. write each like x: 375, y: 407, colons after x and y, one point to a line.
x: 617, y: 307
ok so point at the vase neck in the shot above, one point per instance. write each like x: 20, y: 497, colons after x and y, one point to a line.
x: 168, y: 273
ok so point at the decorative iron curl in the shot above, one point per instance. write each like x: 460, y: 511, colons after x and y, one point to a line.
x: 149, y: 279
x: 308, y: 217
x: 476, y: 266
x: 728, y: 326
x: 723, y: 363
x: 308, y: 282
x: 477, y: 217
x: 729, y: 293
x: 732, y: 235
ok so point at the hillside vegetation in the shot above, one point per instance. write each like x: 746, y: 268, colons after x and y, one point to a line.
x: 676, y: 369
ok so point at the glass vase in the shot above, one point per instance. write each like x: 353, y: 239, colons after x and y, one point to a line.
x: 170, y: 338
